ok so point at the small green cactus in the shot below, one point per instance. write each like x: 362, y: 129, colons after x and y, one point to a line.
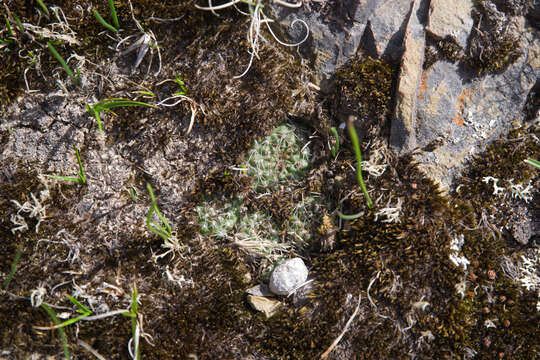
x: 277, y: 158
x: 217, y: 220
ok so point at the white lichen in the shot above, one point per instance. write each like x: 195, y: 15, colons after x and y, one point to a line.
x: 458, y: 259
x: 521, y: 191
x: 391, y: 212
x: 497, y: 190
x: 378, y: 160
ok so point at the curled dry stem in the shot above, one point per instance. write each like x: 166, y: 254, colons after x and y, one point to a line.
x: 258, y: 18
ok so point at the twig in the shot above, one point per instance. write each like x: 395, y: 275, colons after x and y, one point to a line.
x: 90, y: 349
x: 349, y: 322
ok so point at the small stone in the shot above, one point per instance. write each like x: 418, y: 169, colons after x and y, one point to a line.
x: 287, y: 276
x: 259, y: 290
x: 267, y: 306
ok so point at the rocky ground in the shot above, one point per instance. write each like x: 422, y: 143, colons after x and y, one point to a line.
x: 208, y: 222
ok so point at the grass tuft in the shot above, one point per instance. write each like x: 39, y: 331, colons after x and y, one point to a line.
x: 80, y: 179
x: 103, y: 22
x: 335, y: 148
x: 163, y: 230
x: 108, y: 104
x: 9, y: 29
x: 13, y: 266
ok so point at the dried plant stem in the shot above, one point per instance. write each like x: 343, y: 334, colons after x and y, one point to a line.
x: 347, y: 325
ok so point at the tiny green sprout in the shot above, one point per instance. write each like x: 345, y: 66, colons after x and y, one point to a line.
x: 335, y: 148
x: 533, y: 162
x: 163, y: 230
x: 180, y: 83
x: 13, y: 266
x: 108, y: 104
x: 146, y: 93
x: 43, y: 7
x: 103, y: 22
x: 80, y: 179
x: 132, y: 193
x: 81, y: 309
x: 62, y: 62
x: 61, y: 332
x: 133, y: 313
x: 349, y: 217
x: 113, y: 14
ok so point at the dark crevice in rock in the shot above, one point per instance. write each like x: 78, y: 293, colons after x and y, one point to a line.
x: 531, y: 108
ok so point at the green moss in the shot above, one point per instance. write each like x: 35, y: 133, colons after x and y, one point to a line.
x: 363, y: 87
x: 437, y: 49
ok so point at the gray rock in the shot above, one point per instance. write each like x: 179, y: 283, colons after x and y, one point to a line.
x: 467, y: 114
x: 287, y: 276
x: 452, y: 114
x: 338, y: 29
x: 259, y: 290
x: 403, y: 132
x: 386, y: 23
x: 451, y: 18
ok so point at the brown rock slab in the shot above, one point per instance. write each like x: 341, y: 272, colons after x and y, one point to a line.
x: 265, y: 305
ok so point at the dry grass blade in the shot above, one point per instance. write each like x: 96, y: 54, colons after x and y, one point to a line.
x: 347, y: 325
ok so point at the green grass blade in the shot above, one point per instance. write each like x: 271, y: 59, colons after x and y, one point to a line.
x: 145, y: 92
x: 19, y: 23
x: 13, y: 266
x: 108, y: 104
x: 349, y: 217
x: 9, y: 29
x: 180, y: 83
x: 356, y: 145
x: 103, y: 22
x: 335, y: 148
x: 65, y: 178
x: 71, y: 321
x: 113, y: 14
x: 92, y: 111
x: 81, y: 307
x: 155, y: 228
x: 81, y: 170
x: 114, y: 103
x: 60, y: 60
x: 61, y: 332
x: 533, y: 162
x: 134, y: 303
x: 132, y: 194
x: 43, y: 7
x: 134, y: 310
x: 163, y: 220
